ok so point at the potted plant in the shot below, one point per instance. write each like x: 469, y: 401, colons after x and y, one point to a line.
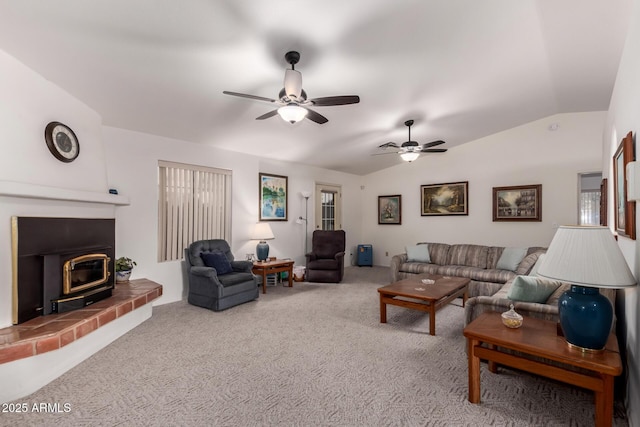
x: 124, y: 266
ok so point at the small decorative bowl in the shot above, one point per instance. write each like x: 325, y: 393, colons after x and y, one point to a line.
x: 428, y: 281
x: 511, y: 319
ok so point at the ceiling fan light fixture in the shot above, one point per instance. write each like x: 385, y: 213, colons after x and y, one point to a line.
x: 292, y: 113
x: 409, y: 156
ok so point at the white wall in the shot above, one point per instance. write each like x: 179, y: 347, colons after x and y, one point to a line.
x: 304, y: 178
x: 127, y: 161
x: 132, y: 160
x: 28, y: 103
x: 529, y: 154
x: 624, y: 116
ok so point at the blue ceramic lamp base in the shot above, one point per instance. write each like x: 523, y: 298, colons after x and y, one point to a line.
x: 262, y: 251
x: 586, y: 317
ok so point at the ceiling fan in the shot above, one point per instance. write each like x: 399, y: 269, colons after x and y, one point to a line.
x: 292, y: 99
x: 410, y: 150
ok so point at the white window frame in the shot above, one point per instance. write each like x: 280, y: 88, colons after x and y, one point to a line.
x: 334, y: 211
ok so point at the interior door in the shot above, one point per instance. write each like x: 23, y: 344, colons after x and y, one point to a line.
x: 328, y: 206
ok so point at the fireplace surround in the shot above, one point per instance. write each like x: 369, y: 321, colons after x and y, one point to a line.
x: 60, y: 264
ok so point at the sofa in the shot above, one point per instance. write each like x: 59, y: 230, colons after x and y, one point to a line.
x: 491, y: 288
x: 501, y: 301
x: 485, y: 266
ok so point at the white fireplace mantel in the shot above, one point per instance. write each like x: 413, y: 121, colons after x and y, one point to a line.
x: 34, y: 191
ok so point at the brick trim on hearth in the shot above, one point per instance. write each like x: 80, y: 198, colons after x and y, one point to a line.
x: 54, y: 331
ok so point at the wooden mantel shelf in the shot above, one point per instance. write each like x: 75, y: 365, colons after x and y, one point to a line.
x: 52, y: 332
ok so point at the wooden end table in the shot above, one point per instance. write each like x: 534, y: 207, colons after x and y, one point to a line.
x: 263, y: 268
x: 540, y: 338
x: 430, y: 297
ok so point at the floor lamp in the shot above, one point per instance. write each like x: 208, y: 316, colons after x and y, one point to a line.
x: 306, y: 195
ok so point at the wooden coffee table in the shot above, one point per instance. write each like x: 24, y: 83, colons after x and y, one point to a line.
x: 540, y: 338
x: 430, y: 297
x: 263, y: 268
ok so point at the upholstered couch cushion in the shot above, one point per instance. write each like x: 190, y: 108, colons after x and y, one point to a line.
x: 468, y: 255
x: 438, y: 252
x: 323, y: 264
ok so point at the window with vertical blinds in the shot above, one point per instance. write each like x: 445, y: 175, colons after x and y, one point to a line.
x: 194, y: 204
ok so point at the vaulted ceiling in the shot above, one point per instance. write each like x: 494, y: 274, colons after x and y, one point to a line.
x: 462, y: 69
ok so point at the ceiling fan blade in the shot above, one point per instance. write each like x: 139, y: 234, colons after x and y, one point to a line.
x: 433, y: 150
x: 244, y: 95
x: 293, y: 84
x: 316, y: 117
x: 267, y: 115
x: 388, y: 152
x: 335, y: 100
x: 432, y: 144
x: 389, y: 145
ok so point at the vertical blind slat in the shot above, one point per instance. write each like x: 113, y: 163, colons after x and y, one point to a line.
x: 193, y: 204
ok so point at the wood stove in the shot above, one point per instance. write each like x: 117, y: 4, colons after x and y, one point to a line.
x: 60, y: 264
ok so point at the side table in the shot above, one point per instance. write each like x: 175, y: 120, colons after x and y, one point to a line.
x: 539, y: 338
x: 263, y: 268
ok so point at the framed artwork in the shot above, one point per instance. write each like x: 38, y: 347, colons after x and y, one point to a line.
x: 603, y: 202
x: 444, y: 199
x: 273, y: 197
x: 625, y: 212
x: 517, y: 203
x: 390, y: 209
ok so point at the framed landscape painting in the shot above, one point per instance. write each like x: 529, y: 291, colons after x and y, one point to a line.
x: 390, y: 209
x: 273, y: 197
x: 444, y: 199
x: 517, y: 203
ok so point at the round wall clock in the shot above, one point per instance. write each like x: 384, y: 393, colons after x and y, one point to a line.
x: 62, y: 142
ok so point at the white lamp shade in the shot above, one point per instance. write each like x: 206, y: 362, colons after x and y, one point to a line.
x: 292, y: 113
x: 262, y: 231
x: 409, y: 156
x: 306, y: 194
x: 586, y: 256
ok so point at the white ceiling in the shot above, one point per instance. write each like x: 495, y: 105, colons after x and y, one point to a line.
x: 462, y: 69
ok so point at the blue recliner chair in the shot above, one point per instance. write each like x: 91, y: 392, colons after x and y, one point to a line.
x: 216, y: 280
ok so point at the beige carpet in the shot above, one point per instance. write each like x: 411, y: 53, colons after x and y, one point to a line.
x: 311, y: 355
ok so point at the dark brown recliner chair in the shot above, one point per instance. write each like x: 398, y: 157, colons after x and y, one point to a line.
x: 325, y: 262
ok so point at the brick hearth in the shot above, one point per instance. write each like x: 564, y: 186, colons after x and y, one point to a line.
x: 52, y: 332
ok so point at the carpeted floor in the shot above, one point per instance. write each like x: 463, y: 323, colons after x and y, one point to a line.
x: 311, y: 355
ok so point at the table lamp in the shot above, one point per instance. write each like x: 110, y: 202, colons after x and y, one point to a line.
x: 587, y: 258
x: 262, y: 232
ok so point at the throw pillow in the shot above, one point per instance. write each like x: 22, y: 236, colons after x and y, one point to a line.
x: 418, y: 253
x: 532, y: 289
x: 510, y: 258
x: 218, y: 261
